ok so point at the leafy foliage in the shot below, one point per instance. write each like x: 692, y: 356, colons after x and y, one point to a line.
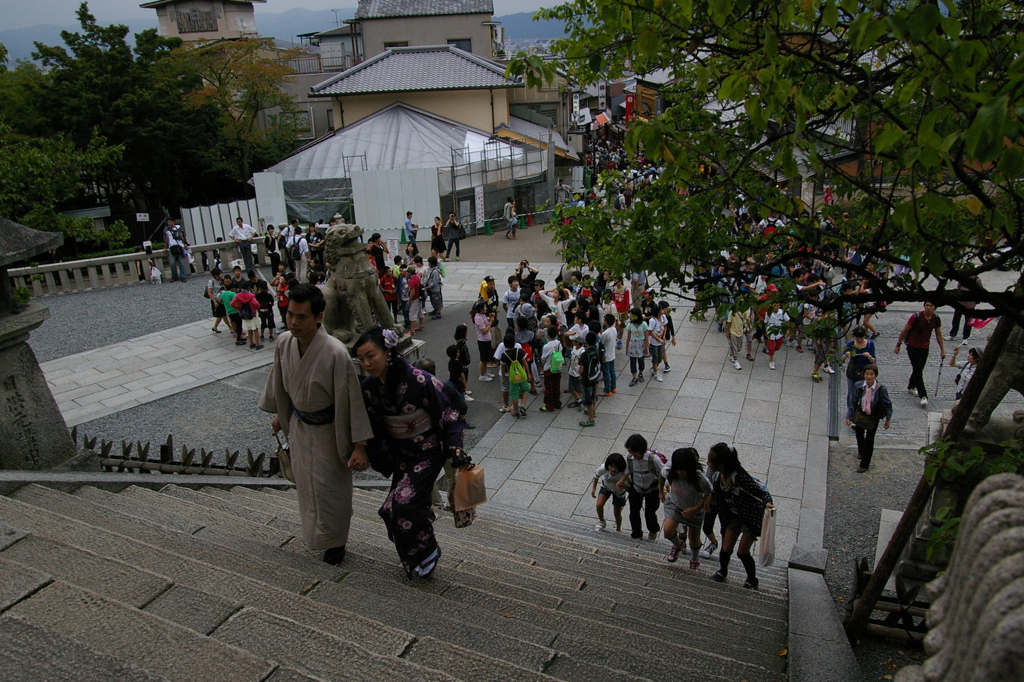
x: 908, y: 109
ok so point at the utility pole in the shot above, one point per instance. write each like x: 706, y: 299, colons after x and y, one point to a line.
x: 337, y: 22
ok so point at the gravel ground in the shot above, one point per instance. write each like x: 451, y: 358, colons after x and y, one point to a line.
x: 224, y: 414
x: 101, y: 317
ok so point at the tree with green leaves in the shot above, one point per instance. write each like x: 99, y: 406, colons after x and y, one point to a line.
x: 910, y: 110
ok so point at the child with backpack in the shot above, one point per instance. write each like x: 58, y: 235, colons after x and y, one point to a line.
x: 741, y: 500
x: 552, y: 360
x: 641, y: 483
x: 575, y: 385
x: 266, y: 301
x: 686, y: 493
x: 609, y: 474
x: 513, y: 363
x: 590, y: 375
x: 249, y: 312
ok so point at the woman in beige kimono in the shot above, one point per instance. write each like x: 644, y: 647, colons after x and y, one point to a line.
x: 314, y: 392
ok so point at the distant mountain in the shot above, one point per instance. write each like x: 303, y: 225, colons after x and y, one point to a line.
x: 284, y: 26
x: 521, y: 26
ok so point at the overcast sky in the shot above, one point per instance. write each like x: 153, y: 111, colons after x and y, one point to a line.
x: 20, y: 13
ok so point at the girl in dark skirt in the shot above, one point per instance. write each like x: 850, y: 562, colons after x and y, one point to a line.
x: 415, y: 430
x: 741, y: 503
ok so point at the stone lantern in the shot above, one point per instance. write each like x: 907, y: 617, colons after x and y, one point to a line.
x: 33, y: 434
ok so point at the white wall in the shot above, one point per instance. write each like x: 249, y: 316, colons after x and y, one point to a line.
x: 270, y: 198
x: 381, y: 199
x: 203, y: 224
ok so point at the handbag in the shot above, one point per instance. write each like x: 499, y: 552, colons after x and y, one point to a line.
x: 766, y: 544
x: 284, y: 456
x: 470, y: 489
x: 863, y: 420
x: 854, y: 372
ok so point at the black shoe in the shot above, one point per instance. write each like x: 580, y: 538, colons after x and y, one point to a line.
x: 718, y: 577
x: 334, y: 555
x: 751, y: 584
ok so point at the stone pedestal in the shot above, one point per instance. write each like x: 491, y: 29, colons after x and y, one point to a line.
x: 33, y: 434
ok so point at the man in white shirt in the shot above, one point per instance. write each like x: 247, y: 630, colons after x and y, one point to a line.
x: 242, y: 234
x: 174, y: 239
x: 297, y: 249
x: 510, y: 301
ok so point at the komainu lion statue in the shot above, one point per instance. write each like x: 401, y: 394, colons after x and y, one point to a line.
x: 976, y: 620
x: 352, y: 291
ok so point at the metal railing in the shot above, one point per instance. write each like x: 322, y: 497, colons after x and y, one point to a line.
x: 109, y: 271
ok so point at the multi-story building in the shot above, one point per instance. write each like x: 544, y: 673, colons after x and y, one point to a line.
x: 193, y: 20
x: 465, y: 24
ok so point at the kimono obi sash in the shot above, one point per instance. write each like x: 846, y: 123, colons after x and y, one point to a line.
x: 318, y: 418
x: 408, y: 425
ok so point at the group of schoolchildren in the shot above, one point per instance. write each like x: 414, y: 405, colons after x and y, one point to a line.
x: 246, y: 304
x: 410, y: 283
x: 693, y: 498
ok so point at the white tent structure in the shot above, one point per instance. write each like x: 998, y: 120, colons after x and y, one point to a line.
x: 400, y: 158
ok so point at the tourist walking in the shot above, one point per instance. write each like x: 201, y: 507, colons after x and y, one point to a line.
x: 314, y: 392
x: 552, y: 359
x: 685, y: 493
x: 741, y: 502
x: 643, y: 469
x: 508, y: 212
x: 175, y: 245
x: 433, y: 286
x: 918, y: 335
x: 483, y: 321
x: 635, y: 341
x: 416, y: 428
x: 437, y: 237
x: 608, y: 475
x: 411, y: 228
x: 213, y: 288
x: 454, y: 234
x: 865, y: 407
x: 298, y: 250
x: 272, y: 244
x: 861, y: 353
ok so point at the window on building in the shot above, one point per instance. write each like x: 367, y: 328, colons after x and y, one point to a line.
x: 197, y: 21
x: 330, y: 119
x: 401, y: 43
x: 465, y: 44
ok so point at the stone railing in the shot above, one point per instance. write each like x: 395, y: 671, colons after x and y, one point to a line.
x: 128, y: 268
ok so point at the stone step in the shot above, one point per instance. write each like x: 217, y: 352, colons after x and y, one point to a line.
x: 107, y: 577
x: 158, y: 536
x: 307, y: 650
x: 239, y: 548
x: 32, y: 653
x: 205, y: 578
x: 18, y: 581
x: 138, y: 638
x: 205, y: 498
x: 209, y: 517
x: 468, y: 664
x: 514, y: 642
x: 192, y: 608
x: 260, y: 500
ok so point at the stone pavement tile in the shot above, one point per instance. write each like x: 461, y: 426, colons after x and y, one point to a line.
x: 698, y: 388
x: 79, y: 377
x: 785, y: 541
x: 801, y: 385
x: 759, y: 410
x: 667, y: 446
x: 736, y: 382
x: 704, y: 440
x: 760, y: 434
x: 148, y: 381
x: 678, y: 429
x: 134, y: 397
x: 715, y: 339
x: 760, y: 389
x: 555, y: 503
x: 556, y: 441
x: 786, y: 452
x: 672, y: 381
x: 793, y: 408
x: 709, y: 370
x: 496, y: 471
x: 570, y: 477
x: 175, y: 382
x: 97, y: 396
x: 644, y: 420
x: 679, y: 361
x: 607, y: 426
x: 689, y: 407
x: 536, y: 467
x: 586, y: 510
x: 516, y: 494
x: 535, y: 423
x: 655, y: 398
x: 752, y: 457
x: 620, y: 403
x: 176, y: 366
x: 71, y: 392
x: 794, y: 428
x: 787, y: 512
x: 568, y: 417
x: 513, y: 446
x: 726, y: 401
x: 592, y: 451
x: 724, y: 423
x: 785, y: 481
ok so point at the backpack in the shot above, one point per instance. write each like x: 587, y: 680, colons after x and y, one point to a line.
x: 531, y: 320
x: 593, y: 365
x: 434, y: 279
x: 246, y: 312
x: 557, y: 360
x: 516, y: 371
x: 295, y: 252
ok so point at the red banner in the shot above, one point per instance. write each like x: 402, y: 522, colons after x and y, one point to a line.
x: 630, y: 108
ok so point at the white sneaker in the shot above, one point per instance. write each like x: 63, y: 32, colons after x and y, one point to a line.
x: 771, y: 364
x: 469, y: 392
x: 828, y: 370
x: 486, y: 377
x: 652, y: 536
x: 601, y: 525
x: 736, y: 364
x: 657, y: 376
x: 469, y: 399
x: 924, y: 402
x: 912, y: 391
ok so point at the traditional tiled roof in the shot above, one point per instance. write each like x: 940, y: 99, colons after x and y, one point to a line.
x: 159, y: 3
x: 383, y: 9
x: 411, y: 69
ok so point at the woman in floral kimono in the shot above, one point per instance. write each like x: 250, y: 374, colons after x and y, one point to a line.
x: 415, y: 430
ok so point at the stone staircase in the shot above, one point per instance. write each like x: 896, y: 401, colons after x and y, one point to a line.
x: 216, y: 584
